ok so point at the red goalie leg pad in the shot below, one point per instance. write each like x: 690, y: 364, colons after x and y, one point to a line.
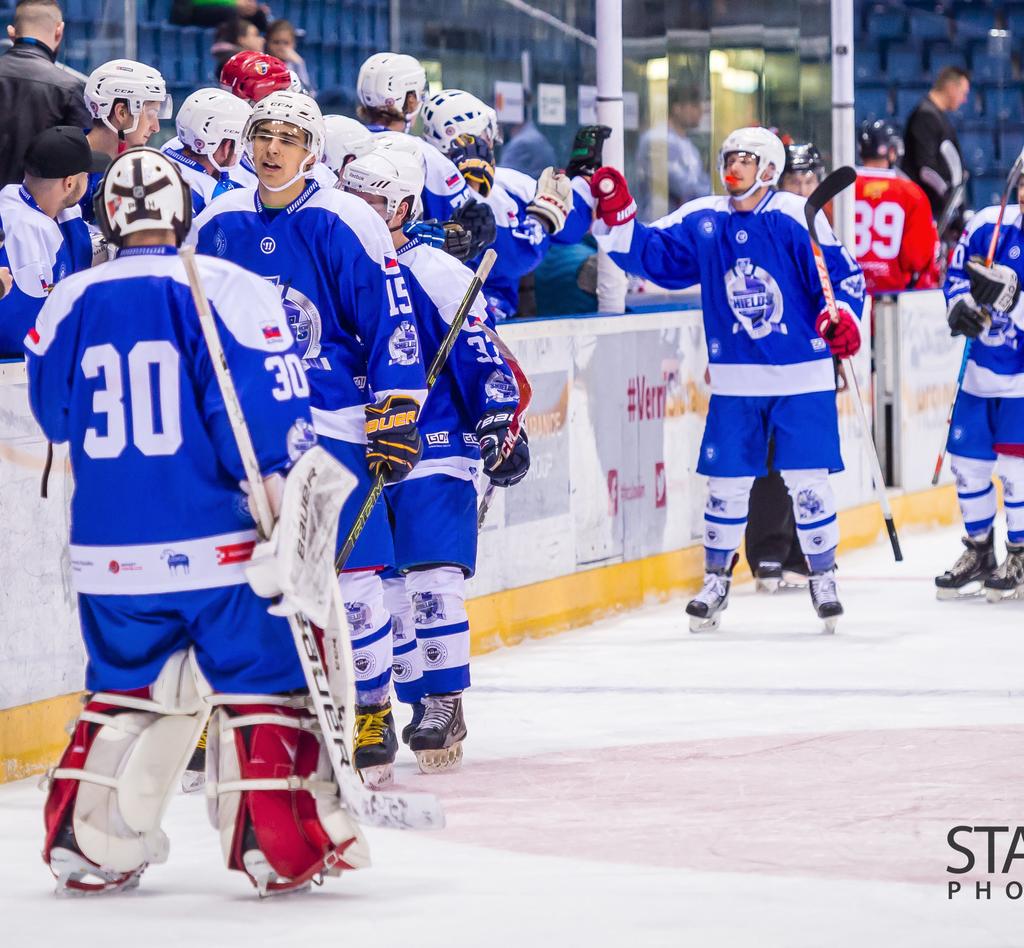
x: 60, y: 798
x: 284, y: 824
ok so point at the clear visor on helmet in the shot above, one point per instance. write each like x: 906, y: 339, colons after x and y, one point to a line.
x: 746, y: 156
x: 284, y: 132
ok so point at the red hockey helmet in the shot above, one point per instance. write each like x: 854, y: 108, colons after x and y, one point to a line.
x: 253, y: 76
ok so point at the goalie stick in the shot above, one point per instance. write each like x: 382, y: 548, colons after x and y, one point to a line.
x: 525, y: 397
x: 447, y: 344
x: 1011, y: 182
x: 838, y: 181
x: 375, y: 808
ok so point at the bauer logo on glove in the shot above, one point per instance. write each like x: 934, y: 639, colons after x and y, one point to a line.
x: 393, y: 440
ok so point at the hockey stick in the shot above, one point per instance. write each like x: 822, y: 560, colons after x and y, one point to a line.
x: 436, y: 366
x: 839, y: 180
x: 375, y: 808
x: 525, y: 397
x: 1011, y: 181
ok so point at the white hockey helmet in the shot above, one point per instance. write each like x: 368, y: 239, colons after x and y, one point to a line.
x: 210, y: 116
x: 765, y: 145
x: 135, y: 83
x: 452, y: 112
x: 392, y: 173
x: 345, y: 140
x: 290, y: 109
x: 385, y: 81
x: 142, y: 190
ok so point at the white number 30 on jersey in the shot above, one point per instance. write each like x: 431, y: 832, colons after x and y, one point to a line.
x: 878, y: 229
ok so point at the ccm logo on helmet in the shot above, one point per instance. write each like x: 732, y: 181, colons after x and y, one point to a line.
x: 386, y: 424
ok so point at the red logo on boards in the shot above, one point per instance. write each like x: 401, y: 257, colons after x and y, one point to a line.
x: 114, y: 567
x: 660, y: 485
x: 613, y: 493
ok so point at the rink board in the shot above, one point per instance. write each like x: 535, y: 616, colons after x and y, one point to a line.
x: 610, y: 516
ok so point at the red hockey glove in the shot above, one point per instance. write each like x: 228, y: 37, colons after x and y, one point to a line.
x: 843, y: 337
x: 615, y: 205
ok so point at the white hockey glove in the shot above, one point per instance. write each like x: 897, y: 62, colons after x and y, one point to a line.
x: 297, y: 562
x: 552, y: 203
x: 996, y: 286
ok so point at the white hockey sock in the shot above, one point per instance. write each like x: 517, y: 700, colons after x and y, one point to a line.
x: 442, y: 627
x: 407, y: 664
x: 814, y: 507
x: 725, y: 518
x: 1011, y: 473
x: 370, y: 628
x: 976, y: 493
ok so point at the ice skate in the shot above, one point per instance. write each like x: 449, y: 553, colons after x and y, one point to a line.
x: 376, y: 744
x: 1007, y: 582
x: 825, y: 597
x: 794, y: 577
x: 706, y: 607
x: 418, y: 710
x: 969, y: 574
x: 437, y: 742
x: 768, y: 577
x: 194, y: 777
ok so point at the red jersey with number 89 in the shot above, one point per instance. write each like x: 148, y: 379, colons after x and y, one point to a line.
x: 894, y: 234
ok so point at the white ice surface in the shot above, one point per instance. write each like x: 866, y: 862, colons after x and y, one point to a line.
x: 633, y: 784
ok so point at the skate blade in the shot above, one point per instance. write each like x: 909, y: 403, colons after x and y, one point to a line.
x: 192, y: 781
x: 830, y: 625
x: 769, y: 586
x: 1002, y: 595
x: 268, y: 882
x: 970, y: 591
x: 379, y: 777
x: 77, y: 877
x: 444, y: 760
x: 793, y: 580
x: 710, y: 624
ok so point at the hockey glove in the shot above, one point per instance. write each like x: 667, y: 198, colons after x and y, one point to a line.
x: 477, y: 220
x: 996, y: 286
x: 492, y: 431
x: 587, y: 150
x: 393, y: 443
x: 966, y: 318
x: 843, y: 337
x: 475, y: 159
x: 431, y: 233
x: 553, y: 201
x: 615, y: 205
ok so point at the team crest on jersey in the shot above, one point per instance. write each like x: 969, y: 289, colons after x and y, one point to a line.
x: 434, y: 653
x: 428, y: 607
x: 809, y: 503
x: 853, y: 285
x: 404, y: 345
x: 500, y: 388
x: 301, y: 437
x: 358, y: 614
x: 303, y: 319
x: 755, y: 299
x: 1001, y: 332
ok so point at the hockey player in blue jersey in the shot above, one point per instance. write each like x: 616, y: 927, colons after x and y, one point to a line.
x: 987, y: 428
x: 433, y: 511
x: 209, y: 143
x: 37, y: 249
x: 160, y: 536
x: 770, y: 347
x: 528, y: 213
x: 331, y: 259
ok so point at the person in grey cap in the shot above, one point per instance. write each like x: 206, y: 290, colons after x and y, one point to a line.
x: 38, y: 219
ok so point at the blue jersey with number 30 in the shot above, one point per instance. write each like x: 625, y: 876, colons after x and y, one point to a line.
x: 118, y: 368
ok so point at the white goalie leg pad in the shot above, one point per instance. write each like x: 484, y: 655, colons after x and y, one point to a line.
x: 406, y: 664
x: 975, y: 492
x: 1011, y: 473
x: 442, y: 627
x: 297, y: 562
x: 272, y: 795
x: 369, y: 626
x: 133, y: 766
x: 814, y: 507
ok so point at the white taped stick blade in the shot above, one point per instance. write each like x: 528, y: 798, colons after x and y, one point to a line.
x: 301, y: 554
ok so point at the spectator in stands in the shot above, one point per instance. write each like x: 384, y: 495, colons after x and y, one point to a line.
x: 58, y: 163
x: 895, y: 241
x: 933, y: 157
x: 281, y: 38
x: 235, y: 36
x: 667, y: 152
x: 215, y: 12
x: 526, y: 149
x: 34, y: 93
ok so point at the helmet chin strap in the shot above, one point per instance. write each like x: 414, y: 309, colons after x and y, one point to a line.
x: 301, y: 173
x: 756, y: 186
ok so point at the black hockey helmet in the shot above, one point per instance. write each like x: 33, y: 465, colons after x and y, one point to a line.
x: 802, y: 157
x: 880, y: 138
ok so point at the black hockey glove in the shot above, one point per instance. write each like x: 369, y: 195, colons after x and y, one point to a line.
x: 587, y: 150
x: 477, y: 219
x: 393, y: 443
x: 492, y: 431
x: 965, y: 318
x: 996, y: 286
x: 458, y: 242
x: 475, y: 159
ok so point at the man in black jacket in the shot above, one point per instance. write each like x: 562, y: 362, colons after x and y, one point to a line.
x: 35, y: 94
x: 932, y: 158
